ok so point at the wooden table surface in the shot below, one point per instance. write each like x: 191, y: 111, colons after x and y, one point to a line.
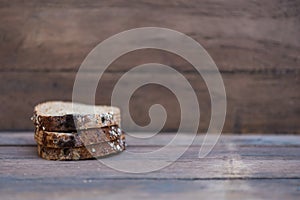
x: 239, y: 167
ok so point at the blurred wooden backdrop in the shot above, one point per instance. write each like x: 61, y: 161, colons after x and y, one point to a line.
x: 254, y: 43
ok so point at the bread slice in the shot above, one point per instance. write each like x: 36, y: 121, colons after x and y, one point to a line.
x: 79, y: 153
x: 74, y: 131
x: 62, y: 116
x: 80, y: 138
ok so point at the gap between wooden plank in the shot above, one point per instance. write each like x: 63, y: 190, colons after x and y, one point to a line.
x: 27, y: 139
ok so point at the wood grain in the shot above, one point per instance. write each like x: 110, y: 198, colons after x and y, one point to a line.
x: 239, y: 35
x: 254, y: 44
x: 232, y: 158
x: 258, y: 103
x: 150, y: 189
x: 238, y: 167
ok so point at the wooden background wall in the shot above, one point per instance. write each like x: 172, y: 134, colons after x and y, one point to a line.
x: 255, y: 44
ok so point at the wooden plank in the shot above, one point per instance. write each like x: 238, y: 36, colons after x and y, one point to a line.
x: 239, y: 35
x: 21, y: 138
x: 252, y: 100
x: 232, y: 158
x: 23, y: 163
x: 40, y: 42
x: 248, y: 167
x: 63, y: 189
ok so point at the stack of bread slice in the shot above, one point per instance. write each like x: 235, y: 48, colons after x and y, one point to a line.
x: 73, y: 131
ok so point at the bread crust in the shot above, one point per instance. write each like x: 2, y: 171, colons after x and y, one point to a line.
x: 80, y: 138
x: 71, y: 123
x: 80, y: 153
